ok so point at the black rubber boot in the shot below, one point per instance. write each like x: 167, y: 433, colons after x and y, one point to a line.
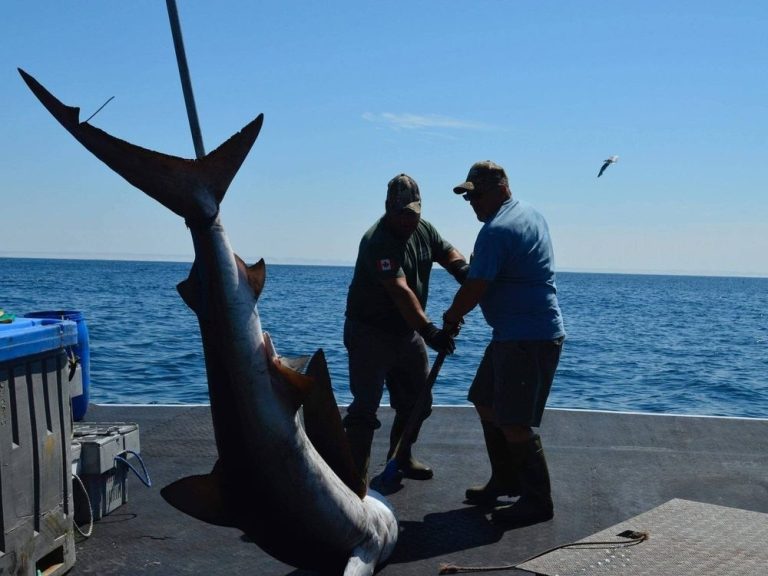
x: 535, y: 502
x: 409, y: 466
x: 360, y: 439
x: 504, y: 479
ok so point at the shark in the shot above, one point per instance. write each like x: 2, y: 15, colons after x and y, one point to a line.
x: 284, y: 474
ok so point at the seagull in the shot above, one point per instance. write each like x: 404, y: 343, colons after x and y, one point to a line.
x: 608, y: 161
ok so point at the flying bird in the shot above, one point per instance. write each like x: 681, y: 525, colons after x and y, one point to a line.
x: 608, y: 161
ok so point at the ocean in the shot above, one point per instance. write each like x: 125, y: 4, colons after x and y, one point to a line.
x: 639, y: 343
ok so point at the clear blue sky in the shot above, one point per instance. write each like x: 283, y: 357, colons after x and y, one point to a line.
x: 355, y: 92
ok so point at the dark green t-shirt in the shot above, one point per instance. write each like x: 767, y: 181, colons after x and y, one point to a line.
x: 381, y: 256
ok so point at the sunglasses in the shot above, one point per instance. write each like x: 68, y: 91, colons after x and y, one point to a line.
x: 473, y: 195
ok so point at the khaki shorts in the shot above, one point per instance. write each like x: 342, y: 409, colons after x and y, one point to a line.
x: 514, y: 379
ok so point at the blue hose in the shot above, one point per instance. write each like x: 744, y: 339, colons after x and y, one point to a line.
x: 147, y: 482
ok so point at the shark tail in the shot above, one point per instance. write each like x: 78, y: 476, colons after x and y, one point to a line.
x: 192, y: 189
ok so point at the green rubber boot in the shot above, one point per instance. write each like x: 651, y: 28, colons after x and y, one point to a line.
x: 409, y: 466
x: 504, y: 479
x: 535, y: 502
x: 360, y: 439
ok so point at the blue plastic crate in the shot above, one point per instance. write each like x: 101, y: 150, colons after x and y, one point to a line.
x: 29, y: 336
x: 36, y: 506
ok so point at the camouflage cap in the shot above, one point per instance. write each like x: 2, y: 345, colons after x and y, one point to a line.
x: 403, y: 194
x: 481, y: 175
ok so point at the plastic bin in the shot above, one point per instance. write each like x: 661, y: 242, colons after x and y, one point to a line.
x: 81, y: 350
x: 36, y: 507
x: 103, y: 476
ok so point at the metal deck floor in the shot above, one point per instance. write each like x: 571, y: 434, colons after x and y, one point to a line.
x: 606, y: 468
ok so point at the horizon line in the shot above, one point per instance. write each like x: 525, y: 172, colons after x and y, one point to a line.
x: 293, y: 261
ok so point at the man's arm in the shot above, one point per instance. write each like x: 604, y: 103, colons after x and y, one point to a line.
x: 410, y: 308
x: 455, y: 264
x: 467, y: 297
x: 406, y: 301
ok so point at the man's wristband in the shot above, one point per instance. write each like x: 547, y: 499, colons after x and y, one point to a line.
x: 428, y: 330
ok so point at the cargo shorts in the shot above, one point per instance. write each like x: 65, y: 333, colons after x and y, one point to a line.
x: 514, y: 379
x: 376, y: 359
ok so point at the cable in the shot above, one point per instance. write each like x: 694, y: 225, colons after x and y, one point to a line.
x: 90, y: 511
x: 119, y: 458
x: 634, y: 538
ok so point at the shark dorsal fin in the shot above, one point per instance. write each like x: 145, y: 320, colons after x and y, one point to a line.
x: 257, y: 276
x: 322, y: 423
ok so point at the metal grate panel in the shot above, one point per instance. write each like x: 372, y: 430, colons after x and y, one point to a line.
x: 684, y: 539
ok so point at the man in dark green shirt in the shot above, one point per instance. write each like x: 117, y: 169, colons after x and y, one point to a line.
x: 386, y: 327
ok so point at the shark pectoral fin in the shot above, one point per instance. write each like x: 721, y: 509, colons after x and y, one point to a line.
x: 322, y: 423
x: 201, y: 497
x: 295, y: 384
x: 296, y: 363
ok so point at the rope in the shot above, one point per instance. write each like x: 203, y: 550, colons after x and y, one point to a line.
x: 119, y: 458
x: 453, y: 569
x: 635, y: 539
x: 90, y: 511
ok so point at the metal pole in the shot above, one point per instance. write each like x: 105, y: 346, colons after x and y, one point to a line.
x: 186, y: 83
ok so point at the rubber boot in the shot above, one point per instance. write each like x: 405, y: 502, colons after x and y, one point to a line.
x: 409, y: 466
x: 535, y: 502
x: 360, y: 439
x: 504, y: 479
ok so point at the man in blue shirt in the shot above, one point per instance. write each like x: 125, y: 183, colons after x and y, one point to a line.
x: 511, y: 275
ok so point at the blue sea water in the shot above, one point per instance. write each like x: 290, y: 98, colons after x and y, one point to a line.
x: 660, y: 344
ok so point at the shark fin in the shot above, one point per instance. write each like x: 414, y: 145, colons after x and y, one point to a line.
x: 188, y: 290
x: 201, y: 497
x: 256, y: 274
x: 297, y: 384
x: 296, y: 363
x: 174, y: 182
x: 322, y: 423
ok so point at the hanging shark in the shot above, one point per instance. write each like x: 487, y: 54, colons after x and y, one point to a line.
x: 284, y: 475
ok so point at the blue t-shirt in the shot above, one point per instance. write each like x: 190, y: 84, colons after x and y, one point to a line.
x: 513, y: 252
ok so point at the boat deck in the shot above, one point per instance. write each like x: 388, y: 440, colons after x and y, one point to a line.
x: 605, y: 468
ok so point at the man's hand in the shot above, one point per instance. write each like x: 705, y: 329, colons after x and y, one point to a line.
x: 439, y: 340
x: 452, y: 327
